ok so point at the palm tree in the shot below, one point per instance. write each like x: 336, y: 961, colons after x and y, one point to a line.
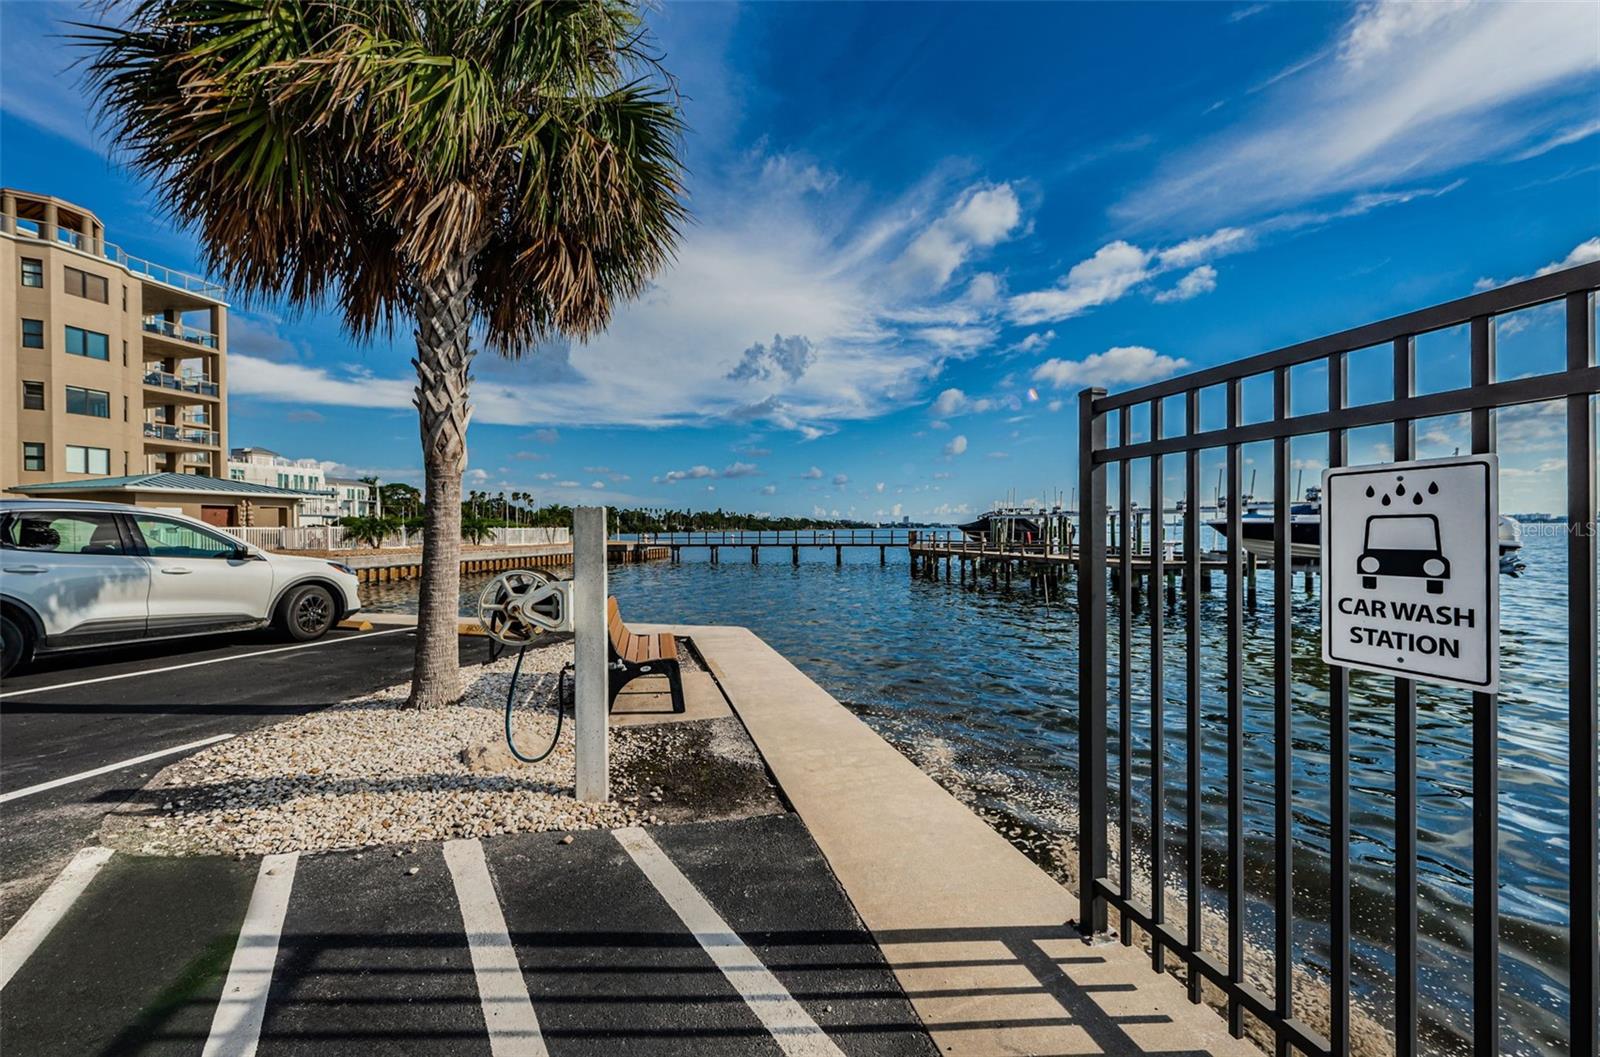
x: 490, y: 170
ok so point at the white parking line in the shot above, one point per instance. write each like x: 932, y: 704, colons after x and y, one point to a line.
x: 790, y: 1025
x: 214, y: 660
x: 236, y: 1026
x: 513, y: 1027
x: 34, y: 925
x: 108, y: 768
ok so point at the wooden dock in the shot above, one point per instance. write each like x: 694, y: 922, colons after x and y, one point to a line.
x: 792, y: 541
x: 1047, y: 569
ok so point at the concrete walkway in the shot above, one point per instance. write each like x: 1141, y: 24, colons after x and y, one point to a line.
x: 979, y: 937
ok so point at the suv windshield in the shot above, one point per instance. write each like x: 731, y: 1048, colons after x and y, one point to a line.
x: 1403, y: 533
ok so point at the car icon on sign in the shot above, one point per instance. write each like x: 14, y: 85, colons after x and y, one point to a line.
x: 1403, y: 545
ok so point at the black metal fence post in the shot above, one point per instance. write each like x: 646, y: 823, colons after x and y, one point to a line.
x: 1583, y: 761
x: 1091, y: 664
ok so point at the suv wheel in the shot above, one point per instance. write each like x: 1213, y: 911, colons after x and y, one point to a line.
x: 16, y: 644
x: 307, y: 613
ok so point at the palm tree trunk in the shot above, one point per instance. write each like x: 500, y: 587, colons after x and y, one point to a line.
x: 444, y: 354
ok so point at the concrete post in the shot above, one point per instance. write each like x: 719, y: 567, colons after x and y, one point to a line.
x: 590, y: 653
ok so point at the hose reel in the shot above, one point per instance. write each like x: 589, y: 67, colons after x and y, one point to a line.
x: 518, y: 605
x: 513, y: 609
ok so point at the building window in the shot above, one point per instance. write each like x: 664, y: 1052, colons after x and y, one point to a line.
x: 32, y: 456
x: 88, y: 460
x: 32, y: 272
x: 283, y: 480
x: 33, y: 396
x: 235, y: 475
x: 33, y: 333
x: 88, y: 343
x: 83, y: 284
x: 95, y: 403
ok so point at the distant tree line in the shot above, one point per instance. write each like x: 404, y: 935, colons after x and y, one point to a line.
x: 402, y: 506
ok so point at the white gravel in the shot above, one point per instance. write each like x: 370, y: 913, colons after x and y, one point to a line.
x: 370, y: 772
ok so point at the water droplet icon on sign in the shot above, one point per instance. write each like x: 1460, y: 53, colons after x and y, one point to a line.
x: 1370, y: 492
x: 1417, y: 499
x: 1385, y: 500
x: 1433, y: 488
x: 1399, y: 489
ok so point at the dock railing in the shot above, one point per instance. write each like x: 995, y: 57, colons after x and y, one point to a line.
x: 1104, y: 885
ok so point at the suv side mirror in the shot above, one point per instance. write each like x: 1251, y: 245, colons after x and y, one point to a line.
x: 242, y: 553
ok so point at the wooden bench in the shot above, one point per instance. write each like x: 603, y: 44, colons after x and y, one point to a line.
x: 634, y: 655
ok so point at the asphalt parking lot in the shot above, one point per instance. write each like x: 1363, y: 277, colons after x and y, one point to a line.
x: 101, y: 723
x: 673, y: 941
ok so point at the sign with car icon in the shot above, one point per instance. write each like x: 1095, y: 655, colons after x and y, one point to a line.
x: 1409, y: 563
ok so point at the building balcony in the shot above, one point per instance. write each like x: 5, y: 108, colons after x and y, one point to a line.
x: 165, y: 432
x: 179, y: 332
x: 182, y: 383
x: 94, y: 245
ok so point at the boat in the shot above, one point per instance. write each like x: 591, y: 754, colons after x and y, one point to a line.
x: 1024, y: 526
x: 1305, y: 531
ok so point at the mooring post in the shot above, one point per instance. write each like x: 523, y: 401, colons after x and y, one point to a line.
x: 591, y: 653
x: 713, y: 555
x: 755, y: 555
x: 838, y: 555
x: 883, y: 555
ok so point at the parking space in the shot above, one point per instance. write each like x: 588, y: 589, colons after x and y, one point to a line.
x: 81, y: 733
x: 670, y: 941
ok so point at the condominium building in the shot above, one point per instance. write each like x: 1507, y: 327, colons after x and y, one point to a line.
x: 263, y: 466
x: 355, y: 498
x: 114, y: 366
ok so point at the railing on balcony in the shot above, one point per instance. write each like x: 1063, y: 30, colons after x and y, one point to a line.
x: 186, y: 383
x: 160, y: 273
x: 181, y: 434
x: 180, y: 331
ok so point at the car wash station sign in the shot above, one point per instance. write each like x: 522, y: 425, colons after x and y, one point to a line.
x: 1410, y: 570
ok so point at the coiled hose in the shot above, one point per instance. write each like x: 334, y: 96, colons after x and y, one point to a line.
x: 561, y: 710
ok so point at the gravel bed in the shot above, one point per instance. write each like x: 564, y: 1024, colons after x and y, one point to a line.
x: 370, y: 772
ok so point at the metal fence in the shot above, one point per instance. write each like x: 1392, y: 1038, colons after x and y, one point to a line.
x: 1104, y: 885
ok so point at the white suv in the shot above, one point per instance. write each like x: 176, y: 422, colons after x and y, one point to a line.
x: 75, y: 575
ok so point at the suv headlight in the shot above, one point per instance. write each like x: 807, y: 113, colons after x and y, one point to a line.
x: 343, y: 568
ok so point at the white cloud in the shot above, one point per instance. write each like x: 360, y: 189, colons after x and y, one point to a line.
x: 1034, y: 342
x: 957, y: 445
x: 1204, y: 247
x: 953, y: 402
x: 1583, y: 253
x: 1412, y: 89
x: 878, y: 487
x: 1115, y: 268
x: 770, y: 489
x: 1570, y: 134
x: 1202, y: 280
x: 841, y: 479
x: 1123, y: 365
x: 983, y: 216
x: 476, y: 476
x: 701, y: 472
x: 813, y: 474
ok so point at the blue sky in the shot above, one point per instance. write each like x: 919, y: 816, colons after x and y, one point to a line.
x: 919, y: 230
